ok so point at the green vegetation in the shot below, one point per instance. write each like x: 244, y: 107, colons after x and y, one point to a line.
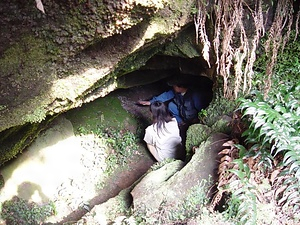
x: 21, y: 212
x: 271, y: 144
x: 23, y: 57
x: 242, y: 203
x: 1, y: 181
x: 108, y: 122
x: 22, y: 137
x: 218, y: 107
x: 37, y: 116
x: 122, y: 145
x: 196, y: 134
x: 159, y: 165
x: 104, y: 113
x: 273, y: 134
x: 119, y: 146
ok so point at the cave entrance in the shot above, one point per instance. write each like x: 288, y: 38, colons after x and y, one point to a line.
x: 152, y: 79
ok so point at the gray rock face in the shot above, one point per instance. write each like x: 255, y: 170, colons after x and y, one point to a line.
x: 75, y: 53
x: 80, y: 51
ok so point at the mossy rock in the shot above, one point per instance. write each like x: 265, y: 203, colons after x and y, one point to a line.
x: 14, y: 140
x: 2, y: 182
x: 218, y: 107
x: 103, y: 113
x: 222, y: 125
x: 196, y: 134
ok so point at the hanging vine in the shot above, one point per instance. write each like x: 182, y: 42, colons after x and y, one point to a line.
x: 201, y: 35
x: 283, y: 19
x: 235, y: 46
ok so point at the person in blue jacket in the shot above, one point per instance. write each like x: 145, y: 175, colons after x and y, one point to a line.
x: 183, y: 102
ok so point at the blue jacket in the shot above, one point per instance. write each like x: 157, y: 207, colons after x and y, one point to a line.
x: 188, y: 105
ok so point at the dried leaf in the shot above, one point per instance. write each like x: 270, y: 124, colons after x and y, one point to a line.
x: 215, y: 201
x: 39, y: 5
x: 274, y: 175
x: 229, y: 143
x: 222, y: 167
x: 226, y: 158
x: 278, y: 192
x: 251, y: 162
x: 224, y: 151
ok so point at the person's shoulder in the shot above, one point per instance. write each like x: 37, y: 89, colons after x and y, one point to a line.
x: 149, y: 127
x: 173, y: 121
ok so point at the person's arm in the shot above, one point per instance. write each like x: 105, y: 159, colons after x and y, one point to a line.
x: 166, y: 96
x: 141, y: 102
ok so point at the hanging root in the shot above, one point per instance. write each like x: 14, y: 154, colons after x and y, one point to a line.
x: 235, y: 56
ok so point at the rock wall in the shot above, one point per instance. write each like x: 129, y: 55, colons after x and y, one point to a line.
x: 77, y: 50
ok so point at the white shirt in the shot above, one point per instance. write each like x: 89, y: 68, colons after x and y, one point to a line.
x: 167, y: 142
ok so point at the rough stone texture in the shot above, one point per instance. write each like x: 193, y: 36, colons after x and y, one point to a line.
x: 197, y: 133
x: 83, y: 50
x: 223, y: 124
x: 169, y: 186
x: 75, y: 52
x: 112, y: 210
x: 159, y: 187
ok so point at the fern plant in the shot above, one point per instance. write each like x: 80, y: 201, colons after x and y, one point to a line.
x: 242, y: 204
x: 274, y: 127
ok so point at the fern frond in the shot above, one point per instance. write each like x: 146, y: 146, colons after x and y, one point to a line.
x: 243, y: 194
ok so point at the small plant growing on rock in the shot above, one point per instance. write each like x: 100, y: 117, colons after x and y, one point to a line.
x: 122, y: 144
x: 18, y: 211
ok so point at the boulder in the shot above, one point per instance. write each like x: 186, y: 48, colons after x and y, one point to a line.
x: 169, y: 188
x: 197, y: 133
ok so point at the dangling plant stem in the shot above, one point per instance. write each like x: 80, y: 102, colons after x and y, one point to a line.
x: 201, y: 35
x: 283, y: 14
x: 235, y: 57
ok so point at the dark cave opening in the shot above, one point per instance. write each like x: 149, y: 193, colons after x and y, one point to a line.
x: 158, y: 82
x: 161, y: 68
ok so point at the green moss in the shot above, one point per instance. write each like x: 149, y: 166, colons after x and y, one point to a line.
x: 14, y: 140
x: 2, y: 182
x: 38, y: 115
x: 196, y: 134
x: 222, y: 125
x: 23, y: 57
x: 25, y: 65
x: 19, y: 211
x: 135, y: 61
x: 2, y: 107
x: 104, y: 112
x: 183, y: 45
x: 217, y: 108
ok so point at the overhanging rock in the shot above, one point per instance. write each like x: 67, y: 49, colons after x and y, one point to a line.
x: 75, y: 52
